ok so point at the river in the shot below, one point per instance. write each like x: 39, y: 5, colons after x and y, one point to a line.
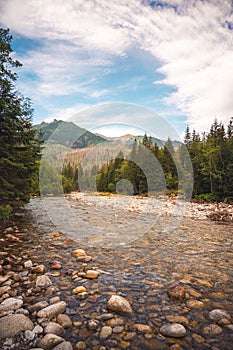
x: 196, y: 254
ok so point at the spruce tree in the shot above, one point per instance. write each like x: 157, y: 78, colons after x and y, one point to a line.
x: 19, y: 147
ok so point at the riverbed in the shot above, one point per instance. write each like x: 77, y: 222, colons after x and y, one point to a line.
x: 196, y: 254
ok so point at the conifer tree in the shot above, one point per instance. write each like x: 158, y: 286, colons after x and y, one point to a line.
x: 19, y: 147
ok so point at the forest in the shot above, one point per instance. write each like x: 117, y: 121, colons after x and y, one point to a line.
x: 211, y: 155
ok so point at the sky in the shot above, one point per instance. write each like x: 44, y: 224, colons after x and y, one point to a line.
x: 172, y: 57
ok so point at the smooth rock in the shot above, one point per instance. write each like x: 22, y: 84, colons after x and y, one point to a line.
x: 53, y: 310
x: 143, y: 328
x: 54, y: 328
x: 174, y: 330
x: 28, y: 264
x: 78, y: 252
x: 49, y: 341
x: 38, y: 306
x: 79, y: 289
x: 218, y: 314
x: 85, y: 258
x: 64, y: 346
x: 118, y: 329
x: 178, y: 319
x: 64, y: 320
x: 43, y: 282
x: 176, y: 293
x: 38, y: 269
x: 55, y: 265
x: 29, y: 335
x: 11, y: 304
x: 92, y: 274
x: 105, y: 332
x: 12, y: 325
x: 119, y: 304
x: 212, y: 330
x: 80, y: 345
x: 195, y: 304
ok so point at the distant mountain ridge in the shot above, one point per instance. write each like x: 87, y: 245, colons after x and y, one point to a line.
x: 71, y: 135
x: 67, y: 134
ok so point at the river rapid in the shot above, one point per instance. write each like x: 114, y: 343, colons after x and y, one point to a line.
x: 196, y: 253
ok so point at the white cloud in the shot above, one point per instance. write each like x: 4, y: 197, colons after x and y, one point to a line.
x: 192, y: 40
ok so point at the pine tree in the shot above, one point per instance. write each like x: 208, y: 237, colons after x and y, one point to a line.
x: 19, y: 147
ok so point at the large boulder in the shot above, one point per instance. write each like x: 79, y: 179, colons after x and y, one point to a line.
x: 12, y: 325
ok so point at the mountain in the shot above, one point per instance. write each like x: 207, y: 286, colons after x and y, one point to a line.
x: 67, y: 134
x: 71, y: 135
x: 129, y: 139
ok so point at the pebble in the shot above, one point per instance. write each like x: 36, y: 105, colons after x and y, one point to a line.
x: 28, y: 264
x: 105, y: 332
x: 79, y: 289
x: 78, y: 253
x: 175, y: 330
x: 64, y: 346
x: 142, y: 328
x: 54, y: 328
x: 176, y: 293
x: 11, y: 304
x: 55, y: 265
x: 211, y: 330
x: 119, y: 304
x: 64, y: 320
x: 92, y: 274
x: 38, y: 269
x: 29, y: 335
x: 80, y: 345
x: 53, y: 310
x: 118, y: 329
x: 195, y: 304
x: 43, y: 282
x: 218, y: 314
x: 92, y: 325
x: 49, y: 341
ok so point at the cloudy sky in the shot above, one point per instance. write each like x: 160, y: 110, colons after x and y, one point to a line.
x: 173, y: 56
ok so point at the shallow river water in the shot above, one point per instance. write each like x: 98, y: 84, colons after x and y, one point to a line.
x: 197, y: 254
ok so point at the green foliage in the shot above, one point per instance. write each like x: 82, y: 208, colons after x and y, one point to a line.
x: 5, y: 212
x: 212, y: 159
x: 19, y: 147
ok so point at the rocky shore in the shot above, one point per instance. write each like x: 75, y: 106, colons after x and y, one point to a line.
x: 59, y: 296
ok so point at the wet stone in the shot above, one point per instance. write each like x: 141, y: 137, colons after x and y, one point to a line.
x: 119, y: 304
x: 64, y: 320
x: 174, y: 330
x: 43, y: 282
x: 218, y: 314
x: 176, y: 293
x: 11, y: 304
x: 49, y: 341
x: 80, y: 345
x: 105, y: 332
x: 54, y: 328
x: 53, y: 310
x: 211, y: 330
x: 64, y: 346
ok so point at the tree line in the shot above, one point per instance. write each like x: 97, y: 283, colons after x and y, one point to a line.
x: 211, y: 155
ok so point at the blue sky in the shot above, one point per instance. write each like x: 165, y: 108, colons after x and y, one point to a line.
x: 174, y: 57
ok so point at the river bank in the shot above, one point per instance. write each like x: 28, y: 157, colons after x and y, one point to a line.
x: 197, y: 256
